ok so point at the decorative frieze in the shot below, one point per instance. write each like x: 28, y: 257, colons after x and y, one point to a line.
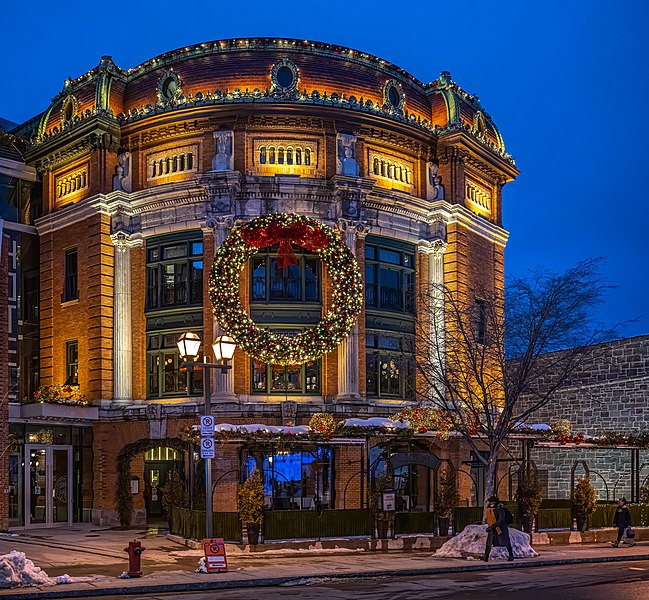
x: 176, y: 161
x: 72, y: 182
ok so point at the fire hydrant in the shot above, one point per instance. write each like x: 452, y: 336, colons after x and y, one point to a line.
x: 134, y: 561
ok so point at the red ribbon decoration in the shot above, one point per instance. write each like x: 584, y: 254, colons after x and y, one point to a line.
x: 302, y: 234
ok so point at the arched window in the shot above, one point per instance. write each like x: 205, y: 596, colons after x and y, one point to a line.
x: 289, y: 156
x: 190, y: 161
x: 271, y: 155
x: 182, y: 162
x: 298, y: 156
x: 174, y: 164
x: 407, y: 175
x: 280, y: 156
x: 383, y: 170
x: 262, y: 156
x: 307, y: 157
x: 376, y: 166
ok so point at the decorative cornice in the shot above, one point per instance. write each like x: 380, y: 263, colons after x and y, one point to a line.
x: 456, y: 213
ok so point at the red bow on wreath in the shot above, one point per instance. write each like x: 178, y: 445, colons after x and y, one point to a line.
x: 311, y: 238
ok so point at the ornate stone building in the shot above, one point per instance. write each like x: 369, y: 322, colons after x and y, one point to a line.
x: 145, y: 171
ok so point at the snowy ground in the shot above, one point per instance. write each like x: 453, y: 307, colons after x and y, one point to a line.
x: 473, y: 539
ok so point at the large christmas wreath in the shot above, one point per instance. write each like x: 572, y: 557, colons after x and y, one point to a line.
x: 284, y: 230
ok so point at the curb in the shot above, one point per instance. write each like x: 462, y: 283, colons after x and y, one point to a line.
x: 303, y: 579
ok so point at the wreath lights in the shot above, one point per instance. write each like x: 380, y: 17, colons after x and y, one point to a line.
x: 285, y: 229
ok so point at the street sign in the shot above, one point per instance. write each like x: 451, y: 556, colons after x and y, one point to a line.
x: 207, y: 447
x: 207, y: 426
x: 215, y: 559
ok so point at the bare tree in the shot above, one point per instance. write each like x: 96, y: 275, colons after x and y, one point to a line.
x: 489, y: 362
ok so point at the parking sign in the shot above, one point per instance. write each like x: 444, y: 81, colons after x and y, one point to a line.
x: 207, y: 426
x: 207, y: 447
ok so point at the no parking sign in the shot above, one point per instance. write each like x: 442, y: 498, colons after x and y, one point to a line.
x: 215, y: 559
x: 207, y: 447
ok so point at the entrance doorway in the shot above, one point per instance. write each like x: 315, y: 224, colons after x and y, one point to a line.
x: 48, y: 474
x: 158, y: 464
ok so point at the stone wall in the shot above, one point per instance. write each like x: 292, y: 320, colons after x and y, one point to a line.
x: 610, y: 395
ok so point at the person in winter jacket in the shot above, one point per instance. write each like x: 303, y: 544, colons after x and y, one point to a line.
x: 622, y: 520
x: 497, y: 529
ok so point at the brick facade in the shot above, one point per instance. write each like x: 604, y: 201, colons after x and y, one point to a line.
x: 424, y: 137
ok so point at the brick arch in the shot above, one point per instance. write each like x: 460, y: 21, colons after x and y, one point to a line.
x: 123, y: 498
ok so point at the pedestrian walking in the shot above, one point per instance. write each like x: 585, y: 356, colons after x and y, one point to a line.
x: 622, y: 520
x: 498, y: 519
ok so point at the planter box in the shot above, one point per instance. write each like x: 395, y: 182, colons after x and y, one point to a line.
x: 59, y: 411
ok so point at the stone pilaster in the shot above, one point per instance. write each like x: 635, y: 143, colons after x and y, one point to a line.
x: 348, y: 369
x: 437, y: 326
x: 123, y: 350
x: 223, y: 389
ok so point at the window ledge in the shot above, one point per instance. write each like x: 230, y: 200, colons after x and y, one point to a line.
x: 66, y: 303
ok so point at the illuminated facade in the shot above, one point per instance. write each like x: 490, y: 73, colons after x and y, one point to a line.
x: 145, y: 171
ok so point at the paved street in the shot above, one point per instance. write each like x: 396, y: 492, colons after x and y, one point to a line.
x: 619, y: 581
x: 95, y: 557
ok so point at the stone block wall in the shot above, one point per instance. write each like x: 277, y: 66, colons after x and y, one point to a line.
x: 610, y: 395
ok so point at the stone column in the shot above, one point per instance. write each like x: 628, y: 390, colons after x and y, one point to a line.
x: 348, y: 367
x: 437, y: 326
x: 223, y: 389
x: 122, y: 339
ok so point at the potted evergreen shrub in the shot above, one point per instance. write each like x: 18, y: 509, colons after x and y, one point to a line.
x: 251, y: 505
x: 174, y: 496
x: 447, y: 500
x: 529, y: 497
x: 584, y: 502
x: 382, y: 518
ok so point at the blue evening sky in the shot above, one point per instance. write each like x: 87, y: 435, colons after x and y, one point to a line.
x: 566, y: 82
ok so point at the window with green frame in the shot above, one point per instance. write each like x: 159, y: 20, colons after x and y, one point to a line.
x: 164, y: 375
x: 389, y: 275
x: 390, y: 365
x: 278, y: 379
x: 174, y: 272
x: 295, y: 283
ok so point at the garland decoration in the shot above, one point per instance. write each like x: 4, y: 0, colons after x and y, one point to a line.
x: 323, y: 423
x: 285, y: 229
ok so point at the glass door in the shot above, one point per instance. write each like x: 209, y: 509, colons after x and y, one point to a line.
x: 48, y: 475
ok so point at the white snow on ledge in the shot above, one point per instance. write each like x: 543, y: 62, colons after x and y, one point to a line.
x: 375, y: 422
x: 259, y: 427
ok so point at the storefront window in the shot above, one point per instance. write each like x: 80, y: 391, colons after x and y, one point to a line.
x: 294, y: 479
x: 295, y: 283
x: 278, y: 379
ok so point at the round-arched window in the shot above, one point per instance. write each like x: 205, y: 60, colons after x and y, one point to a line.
x: 169, y: 88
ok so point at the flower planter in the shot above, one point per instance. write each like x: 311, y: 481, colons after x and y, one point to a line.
x: 253, y: 534
x: 45, y: 410
x: 582, y: 523
x: 443, y: 524
x: 382, y: 529
x: 528, y: 523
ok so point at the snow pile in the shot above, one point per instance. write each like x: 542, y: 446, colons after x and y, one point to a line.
x: 64, y: 579
x: 473, y: 539
x: 202, y: 567
x: 17, y: 570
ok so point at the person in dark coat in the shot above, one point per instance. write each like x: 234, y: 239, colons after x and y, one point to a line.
x: 622, y: 520
x: 497, y: 528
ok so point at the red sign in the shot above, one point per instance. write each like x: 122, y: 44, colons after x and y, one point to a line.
x: 215, y: 559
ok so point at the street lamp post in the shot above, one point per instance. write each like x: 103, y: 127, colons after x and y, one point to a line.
x: 189, y: 347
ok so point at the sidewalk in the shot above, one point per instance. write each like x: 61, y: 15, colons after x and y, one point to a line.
x: 95, y: 558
